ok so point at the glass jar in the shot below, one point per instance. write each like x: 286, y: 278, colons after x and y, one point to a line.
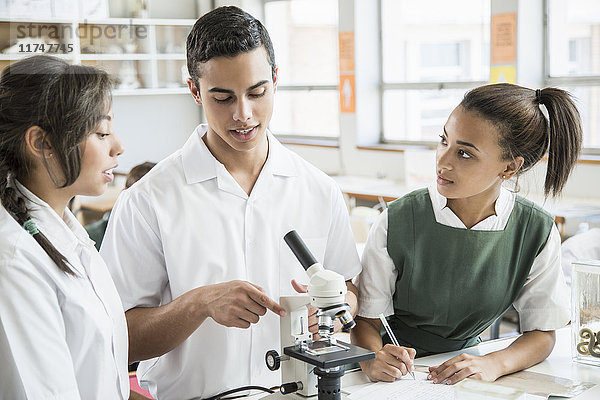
x: 585, y: 314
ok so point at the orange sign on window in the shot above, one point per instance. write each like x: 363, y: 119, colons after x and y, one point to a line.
x: 504, y: 38
x: 346, y: 51
x: 347, y: 87
x: 347, y: 93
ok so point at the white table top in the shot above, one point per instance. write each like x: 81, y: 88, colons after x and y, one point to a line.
x: 558, y: 364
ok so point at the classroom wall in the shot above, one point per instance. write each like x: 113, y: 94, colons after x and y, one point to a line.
x: 152, y: 127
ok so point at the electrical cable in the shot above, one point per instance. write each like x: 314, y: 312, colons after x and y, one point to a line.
x: 240, y: 389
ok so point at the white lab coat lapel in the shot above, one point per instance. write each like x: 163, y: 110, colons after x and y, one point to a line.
x: 278, y: 164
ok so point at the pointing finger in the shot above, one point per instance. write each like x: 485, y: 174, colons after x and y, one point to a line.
x: 265, y: 301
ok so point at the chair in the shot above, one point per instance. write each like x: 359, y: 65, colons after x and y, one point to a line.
x: 495, y: 327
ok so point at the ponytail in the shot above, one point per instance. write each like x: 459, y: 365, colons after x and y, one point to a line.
x: 565, y: 135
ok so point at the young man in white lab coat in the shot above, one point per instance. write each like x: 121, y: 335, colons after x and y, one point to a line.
x: 196, y: 246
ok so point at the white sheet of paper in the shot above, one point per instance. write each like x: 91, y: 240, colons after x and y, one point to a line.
x: 405, y: 388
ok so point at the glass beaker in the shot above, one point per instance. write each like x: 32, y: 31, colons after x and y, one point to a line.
x: 585, y: 311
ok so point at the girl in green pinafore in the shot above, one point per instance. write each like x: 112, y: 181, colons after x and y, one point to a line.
x: 442, y: 263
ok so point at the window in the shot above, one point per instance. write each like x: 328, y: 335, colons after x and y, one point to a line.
x: 304, y: 33
x: 429, y: 60
x: 573, y: 62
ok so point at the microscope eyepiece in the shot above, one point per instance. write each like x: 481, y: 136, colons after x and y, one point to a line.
x: 298, y: 247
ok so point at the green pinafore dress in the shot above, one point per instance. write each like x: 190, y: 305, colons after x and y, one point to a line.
x: 453, y: 283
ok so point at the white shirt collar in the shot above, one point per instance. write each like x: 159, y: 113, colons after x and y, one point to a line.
x: 200, y: 165
x: 445, y: 216
x: 64, y: 234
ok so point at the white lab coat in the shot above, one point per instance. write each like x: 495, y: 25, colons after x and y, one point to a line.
x: 61, y: 337
x: 543, y: 303
x: 187, y: 223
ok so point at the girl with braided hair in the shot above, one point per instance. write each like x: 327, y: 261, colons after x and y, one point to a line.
x: 62, y: 329
x: 445, y: 261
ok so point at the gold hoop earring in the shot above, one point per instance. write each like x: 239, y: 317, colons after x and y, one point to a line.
x: 49, y: 154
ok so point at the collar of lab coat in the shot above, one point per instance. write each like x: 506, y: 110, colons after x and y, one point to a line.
x: 444, y: 215
x: 65, y: 233
x: 200, y: 165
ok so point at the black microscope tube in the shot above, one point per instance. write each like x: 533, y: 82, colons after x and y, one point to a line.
x: 298, y: 247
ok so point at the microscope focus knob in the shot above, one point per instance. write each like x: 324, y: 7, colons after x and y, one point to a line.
x: 290, y: 387
x: 273, y: 360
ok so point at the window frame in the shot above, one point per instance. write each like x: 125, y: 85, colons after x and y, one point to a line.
x: 430, y: 85
x: 558, y: 81
x: 298, y: 137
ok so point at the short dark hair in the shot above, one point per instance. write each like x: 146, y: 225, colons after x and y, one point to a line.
x: 525, y: 131
x: 137, y: 172
x: 225, y: 32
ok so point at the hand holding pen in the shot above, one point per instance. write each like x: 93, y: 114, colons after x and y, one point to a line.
x: 390, y: 333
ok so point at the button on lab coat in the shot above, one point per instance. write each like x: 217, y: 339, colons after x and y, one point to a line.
x: 187, y: 224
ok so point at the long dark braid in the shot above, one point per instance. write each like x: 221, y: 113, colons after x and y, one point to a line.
x: 16, y: 206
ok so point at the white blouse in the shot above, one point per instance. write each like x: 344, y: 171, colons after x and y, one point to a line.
x: 544, y: 301
x: 61, y: 336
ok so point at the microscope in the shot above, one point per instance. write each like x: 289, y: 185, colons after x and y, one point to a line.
x: 310, y: 368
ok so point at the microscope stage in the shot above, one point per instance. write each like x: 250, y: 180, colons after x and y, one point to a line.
x: 324, y: 355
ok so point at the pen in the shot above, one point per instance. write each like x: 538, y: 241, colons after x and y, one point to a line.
x: 388, y: 329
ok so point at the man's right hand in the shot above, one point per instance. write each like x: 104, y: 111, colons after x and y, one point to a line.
x: 390, y: 363
x: 238, y: 303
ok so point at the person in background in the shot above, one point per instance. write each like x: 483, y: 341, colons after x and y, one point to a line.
x: 63, y: 334
x: 136, y: 173
x: 96, y: 229
x: 444, y: 262
x: 196, y: 247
